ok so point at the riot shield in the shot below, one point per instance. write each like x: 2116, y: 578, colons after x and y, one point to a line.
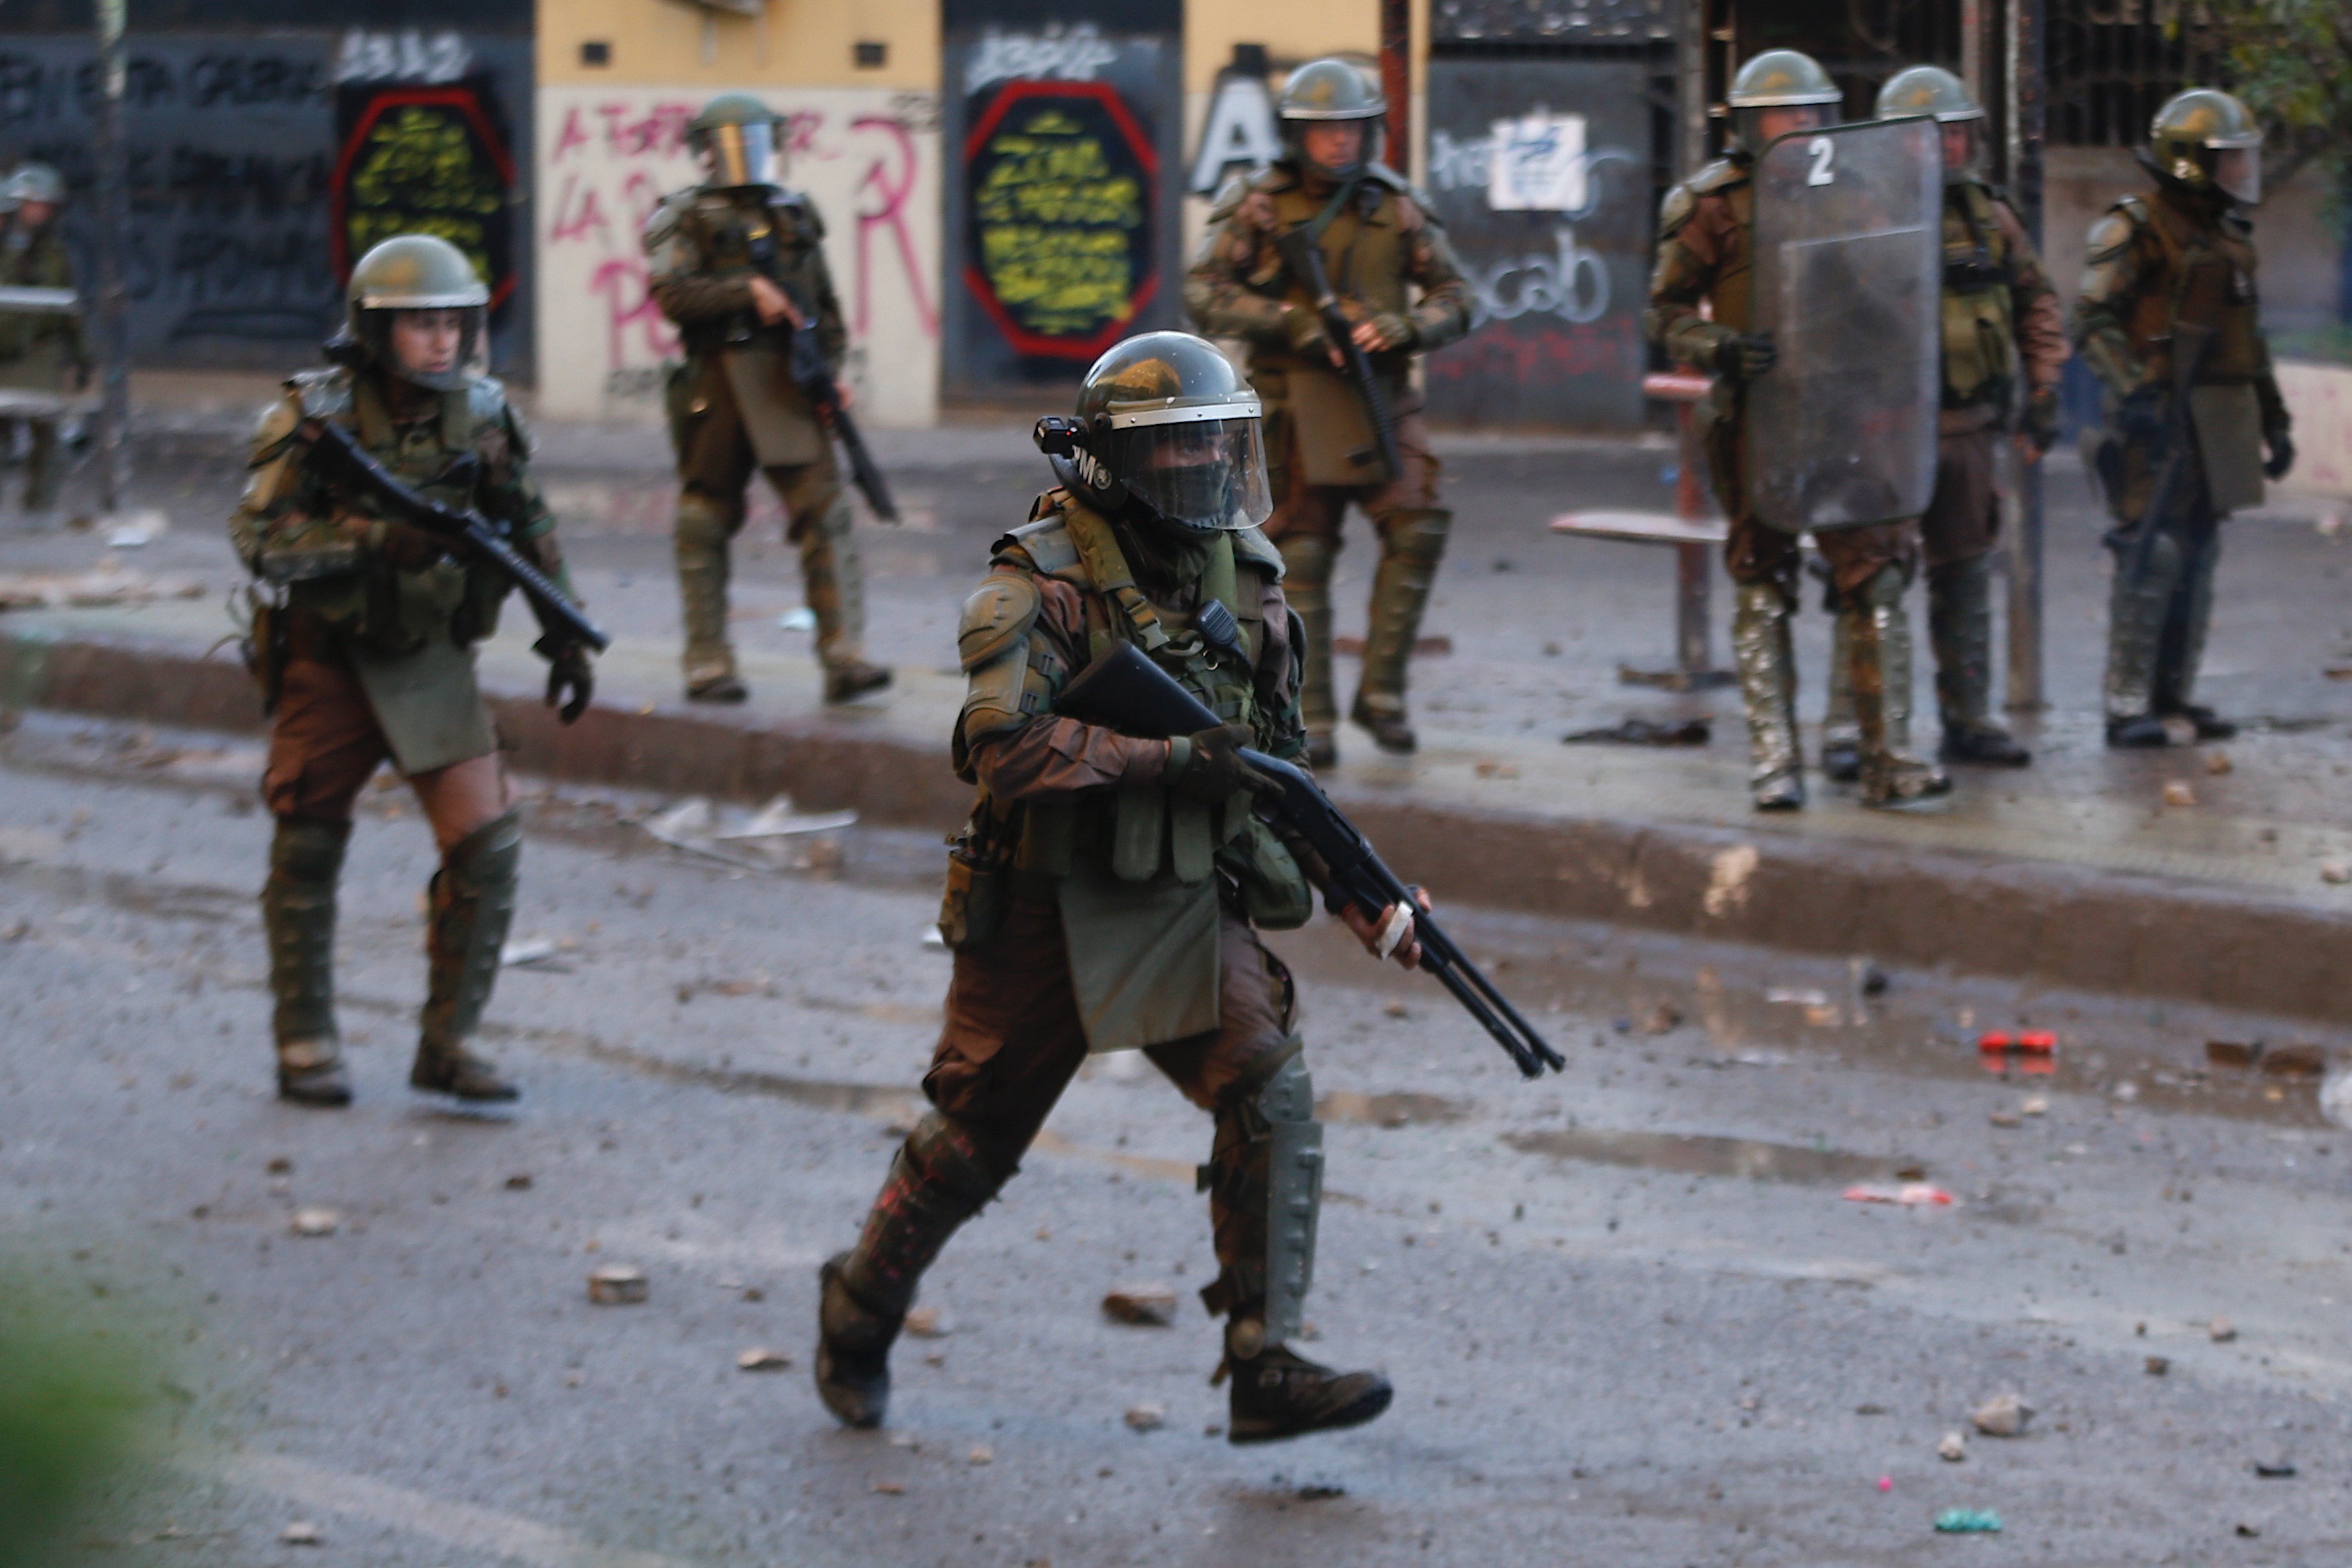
x: 1841, y: 432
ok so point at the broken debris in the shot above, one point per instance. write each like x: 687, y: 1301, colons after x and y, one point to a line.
x: 302, y: 1533
x: 761, y: 1359
x: 2220, y: 1330
x: 1911, y: 1195
x: 926, y: 1323
x: 616, y: 1285
x: 2002, y: 1415
x: 1952, y: 1447
x: 1640, y: 732
x: 316, y: 1222
x: 1146, y: 1306
x: 1146, y: 1416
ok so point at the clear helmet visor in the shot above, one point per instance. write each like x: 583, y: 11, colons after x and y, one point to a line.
x: 1204, y: 474
x: 2238, y: 170
x: 1753, y: 129
x: 1308, y: 137
x: 1964, y: 150
x: 738, y: 155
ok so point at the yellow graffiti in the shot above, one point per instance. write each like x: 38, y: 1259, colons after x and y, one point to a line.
x: 420, y: 171
x: 1054, y: 221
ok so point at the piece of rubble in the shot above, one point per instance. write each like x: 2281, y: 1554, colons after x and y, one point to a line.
x: 981, y: 1454
x: 891, y: 1489
x: 2156, y: 1365
x: 759, y: 1358
x: 616, y: 1285
x: 302, y: 1533
x: 2180, y: 792
x: 2002, y: 1415
x: 1146, y: 1306
x: 1146, y: 1416
x: 925, y: 1323
x: 2220, y: 1330
x: 1952, y: 1447
x: 2335, y: 871
x: 316, y: 1222
x: 2295, y: 1061
x: 2233, y: 1053
x: 2217, y: 763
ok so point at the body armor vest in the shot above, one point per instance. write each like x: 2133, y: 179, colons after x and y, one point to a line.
x: 1365, y: 254
x: 2208, y: 279
x: 1980, y: 323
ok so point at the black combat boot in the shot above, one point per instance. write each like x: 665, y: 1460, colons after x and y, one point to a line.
x: 2210, y: 725
x: 2142, y: 732
x: 472, y: 900
x: 940, y: 1177
x: 1277, y: 1392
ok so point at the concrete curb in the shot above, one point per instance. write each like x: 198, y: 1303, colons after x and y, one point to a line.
x: 2032, y: 923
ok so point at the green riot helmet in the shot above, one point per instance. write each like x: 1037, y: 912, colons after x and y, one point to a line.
x: 735, y: 137
x: 2205, y: 140
x: 413, y: 272
x: 1932, y: 90
x: 1782, y: 80
x: 1325, y: 91
x: 1166, y: 427
x: 35, y: 183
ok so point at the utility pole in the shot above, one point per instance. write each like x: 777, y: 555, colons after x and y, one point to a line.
x: 1396, y: 79
x: 2025, y: 117
x: 113, y: 247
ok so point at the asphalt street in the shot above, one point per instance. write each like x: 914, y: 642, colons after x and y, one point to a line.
x: 1630, y: 1313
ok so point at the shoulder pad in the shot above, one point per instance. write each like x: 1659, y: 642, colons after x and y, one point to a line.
x: 667, y: 214
x: 1252, y: 548
x: 998, y: 614
x: 322, y: 393
x: 2113, y: 231
x: 1229, y: 197
x: 1675, y: 210
x: 276, y: 421
x: 1382, y: 174
x: 1277, y: 175
x: 1719, y: 176
x: 487, y: 402
x: 1045, y: 544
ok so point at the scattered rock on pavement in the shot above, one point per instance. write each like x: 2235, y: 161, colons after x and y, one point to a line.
x: 981, y: 1454
x: 2295, y: 1061
x: 2274, y: 1469
x: 1952, y: 1447
x: 2180, y: 792
x: 1148, y: 1306
x: 2222, y: 1329
x: 1640, y: 732
x: 2233, y: 1053
x: 759, y: 1358
x: 925, y: 1323
x: 301, y: 1533
x: 616, y: 1285
x: 1147, y: 1417
x: 2002, y: 1415
x: 316, y: 1222
x: 2157, y: 1365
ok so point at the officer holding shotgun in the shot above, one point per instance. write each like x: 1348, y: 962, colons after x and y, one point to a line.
x: 363, y: 634
x: 1104, y: 894
x: 1336, y: 273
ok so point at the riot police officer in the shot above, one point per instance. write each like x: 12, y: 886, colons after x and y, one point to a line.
x: 363, y: 642
x: 1705, y: 255
x: 2170, y: 320
x: 40, y: 352
x: 737, y: 262
x: 1104, y: 893
x: 1382, y: 246
x: 2004, y: 342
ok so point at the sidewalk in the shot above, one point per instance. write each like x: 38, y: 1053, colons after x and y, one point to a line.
x: 2073, y: 871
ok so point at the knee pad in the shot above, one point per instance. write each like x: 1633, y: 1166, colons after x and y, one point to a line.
x: 947, y: 1155
x: 307, y: 850
x: 1294, y: 1194
x: 1884, y: 588
x: 705, y: 523
x: 1307, y: 562
x: 1416, y: 536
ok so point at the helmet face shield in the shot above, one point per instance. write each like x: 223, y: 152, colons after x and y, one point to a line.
x: 1753, y: 130
x: 1964, y: 150
x: 397, y: 350
x: 2238, y: 170
x: 738, y: 155
x: 1202, y: 467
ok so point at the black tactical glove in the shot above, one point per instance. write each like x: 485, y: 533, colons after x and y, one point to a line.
x: 2142, y: 418
x: 1743, y: 356
x: 568, y: 668
x: 2041, y: 418
x: 2281, y: 447
x: 1212, y: 771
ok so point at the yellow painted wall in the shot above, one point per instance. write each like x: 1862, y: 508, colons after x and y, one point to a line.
x: 800, y: 43
x: 1291, y: 30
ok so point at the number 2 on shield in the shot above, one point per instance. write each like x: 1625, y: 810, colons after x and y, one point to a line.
x: 1823, y: 149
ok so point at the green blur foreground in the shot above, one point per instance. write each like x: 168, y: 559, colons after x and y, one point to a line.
x: 71, y: 1402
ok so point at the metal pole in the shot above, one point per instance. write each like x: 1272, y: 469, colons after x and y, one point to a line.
x: 1690, y: 88
x: 113, y: 245
x: 2028, y: 111
x: 1396, y: 79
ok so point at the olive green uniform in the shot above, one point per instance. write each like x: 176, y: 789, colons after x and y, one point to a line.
x: 734, y: 408
x: 39, y: 353
x: 2004, y: 345
x: 2155, y: 261
x: 1385, y: 256
x: 365, y: 649
x: 1091, y: 908
x: 1705, y: 259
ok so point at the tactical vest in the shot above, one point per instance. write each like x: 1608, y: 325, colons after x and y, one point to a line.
x: 1732, y: 297
x: 730, y: 235
x: 391, y: 611
x: 1979, y: 322
x: 1365, y: 256
x: 2208, y: 279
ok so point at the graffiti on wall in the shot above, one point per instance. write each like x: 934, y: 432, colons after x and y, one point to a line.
x: 423, y: 159
x: 867, y: 160
x: 1061, y: 179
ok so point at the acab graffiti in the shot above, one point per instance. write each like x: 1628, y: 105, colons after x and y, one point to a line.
x: 1570, y: 281
x: 869, y: 166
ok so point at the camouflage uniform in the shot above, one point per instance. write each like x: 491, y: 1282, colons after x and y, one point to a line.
x: 733, y: 408
x: 40, y: 353
x: 2174, y: 256
x: 1380, y: 247
x: 366, y: 648
x: 1706, y: 231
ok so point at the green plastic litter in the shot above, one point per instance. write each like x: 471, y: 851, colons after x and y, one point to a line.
x: 1968, y: 1521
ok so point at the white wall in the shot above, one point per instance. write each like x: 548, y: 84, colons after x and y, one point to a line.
x: 869, y: 158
